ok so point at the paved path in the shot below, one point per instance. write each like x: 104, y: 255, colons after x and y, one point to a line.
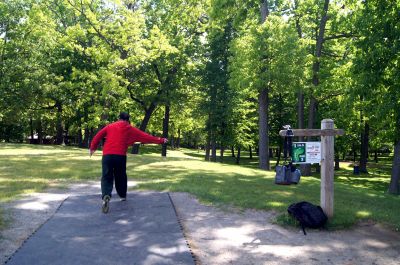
x: 143, y: 230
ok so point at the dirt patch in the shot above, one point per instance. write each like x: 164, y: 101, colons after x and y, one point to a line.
x: 249, y: 237
x: 224, y: 236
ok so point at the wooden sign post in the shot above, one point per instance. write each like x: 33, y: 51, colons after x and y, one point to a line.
x: 327, y: 133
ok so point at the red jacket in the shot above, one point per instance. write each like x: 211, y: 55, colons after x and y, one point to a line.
x: 119, y: 136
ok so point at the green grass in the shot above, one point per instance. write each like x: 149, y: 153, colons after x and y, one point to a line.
x: 31, y: 168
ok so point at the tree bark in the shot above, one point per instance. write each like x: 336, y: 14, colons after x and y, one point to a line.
x: 233, y: 151
x: 238, y: 156
x: 263, y: 143
x: 213, y: 149
x: 394, y: 186
x: 40, y: 130
x: 251, y: 152
x: 354, y: 153
x: 364, y: 148
x: 306, y: 170
x: 165, y: 130
x: 300, y: 113
x: 221, y: 154
x: 337, y: 161
x: 143, y: 125
x: 178, y: 141
x: 59, y: 136
x: 278, y: 156
x: 264, y: 11
x: 31, y: 128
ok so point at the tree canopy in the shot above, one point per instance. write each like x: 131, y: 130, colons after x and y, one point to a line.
x: 211, y: 74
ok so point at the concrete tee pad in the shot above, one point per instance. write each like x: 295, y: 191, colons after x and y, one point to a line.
x: 142, y: 230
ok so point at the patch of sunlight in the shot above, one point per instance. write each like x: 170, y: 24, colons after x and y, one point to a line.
x: 280, y: 192
x: 363, y: 214
x: 29, y: 152
x: 163, y: 251
x: 18, y: 158
x: 219, y: 181
x: 275, y: 204
x: 61, y: 169
x: 19, y: 180
x: 374, y: 179
x: 346, y: 165
x: 80, y: 239
x: 161, y: 181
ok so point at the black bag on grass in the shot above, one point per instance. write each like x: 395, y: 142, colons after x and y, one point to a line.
x: 308, y: 215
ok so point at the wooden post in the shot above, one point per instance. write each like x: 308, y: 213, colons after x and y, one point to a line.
x: 327, y: 134
x: 327, y: 168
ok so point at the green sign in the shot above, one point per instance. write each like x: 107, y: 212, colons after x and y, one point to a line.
x: 299, y: 152
x: 306, y: 152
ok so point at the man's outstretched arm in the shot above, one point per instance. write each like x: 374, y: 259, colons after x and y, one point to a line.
x: 96, y: 140
x: 137, y: 135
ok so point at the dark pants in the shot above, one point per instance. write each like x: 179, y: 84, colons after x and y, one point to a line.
x: 114, y: 168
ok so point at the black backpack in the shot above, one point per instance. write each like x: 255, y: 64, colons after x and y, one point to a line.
x: 308, y: 215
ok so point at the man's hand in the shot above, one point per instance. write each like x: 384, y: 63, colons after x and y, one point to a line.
x: 91, y: 152
x: 165, y: 140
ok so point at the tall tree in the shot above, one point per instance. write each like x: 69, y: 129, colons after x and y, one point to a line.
x: 377, y: 64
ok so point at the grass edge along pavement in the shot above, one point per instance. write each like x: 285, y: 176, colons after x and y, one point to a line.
x: 32, y: 168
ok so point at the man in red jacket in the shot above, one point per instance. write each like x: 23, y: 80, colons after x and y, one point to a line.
x: 118, y: 137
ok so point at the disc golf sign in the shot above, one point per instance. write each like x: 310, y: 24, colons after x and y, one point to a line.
x: 306, y: 152
x: 326, y: 157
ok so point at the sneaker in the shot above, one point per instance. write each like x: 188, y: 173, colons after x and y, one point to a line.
x: 123, y: 199
x: 106, y: 204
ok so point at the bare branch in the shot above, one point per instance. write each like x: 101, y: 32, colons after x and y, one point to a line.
x: 141, y: 102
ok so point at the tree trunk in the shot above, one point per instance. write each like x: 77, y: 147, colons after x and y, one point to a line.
x: 40, y: 131
x: 59, y: 136
x: 263, y: 143
x: 394, y: 187
x: 80, y: 136
x: 311, y: 114
x: 165, y: 130
x: 221, y: 154
x: 208, y: 146
x: 315, y: 79
x: 364, y: 148
x: 143, y: 125
x: 300, y: 113
x: 233, y: 151
x: 238, y: 156
x: 213, y: 149
x: 354, y: 153
x: 251, y: 152
x: 178, y: 141
x: 264, y: 11
x: 337, y: 165
x: 305, y: 169
x: 278, y: 156
x: 31, y: 128
x: 376, y: 156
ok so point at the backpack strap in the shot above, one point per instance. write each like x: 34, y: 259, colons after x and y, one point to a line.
x: 304, y: 230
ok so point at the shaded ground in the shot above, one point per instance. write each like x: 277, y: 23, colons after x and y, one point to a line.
x: 225, y: 237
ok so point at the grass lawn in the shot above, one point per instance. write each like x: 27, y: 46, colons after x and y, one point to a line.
x: 32, y: 168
